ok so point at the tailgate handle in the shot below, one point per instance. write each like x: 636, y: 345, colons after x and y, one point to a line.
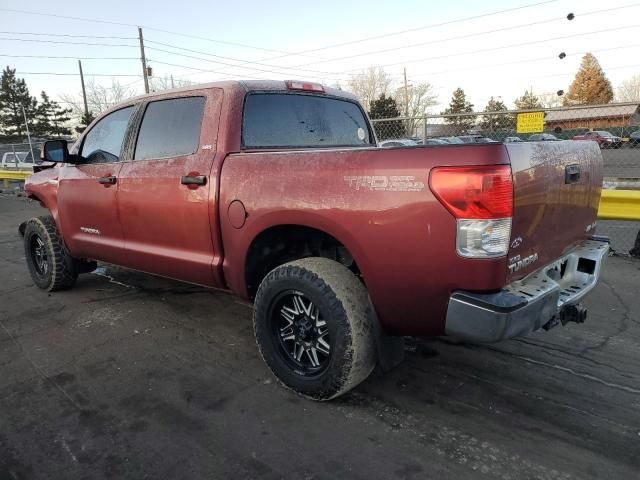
x: 571, y: 173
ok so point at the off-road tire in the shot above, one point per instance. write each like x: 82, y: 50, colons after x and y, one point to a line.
x: 61, y: 272
x: 344, y: 304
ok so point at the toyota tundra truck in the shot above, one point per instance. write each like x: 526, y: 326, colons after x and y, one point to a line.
x: 279, y: 192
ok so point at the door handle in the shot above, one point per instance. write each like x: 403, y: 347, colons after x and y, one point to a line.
x: 110, y: 180
x: 193, y: 180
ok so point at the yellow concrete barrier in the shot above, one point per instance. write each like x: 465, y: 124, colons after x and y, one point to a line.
x: 619, y: 205
x: 6, y: 175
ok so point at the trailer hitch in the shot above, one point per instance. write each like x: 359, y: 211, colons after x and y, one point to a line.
x: 569, y: 313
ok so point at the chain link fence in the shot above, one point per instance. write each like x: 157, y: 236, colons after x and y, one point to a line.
x: 616, y: 128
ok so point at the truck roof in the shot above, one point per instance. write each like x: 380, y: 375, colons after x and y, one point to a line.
x: 244, y: 85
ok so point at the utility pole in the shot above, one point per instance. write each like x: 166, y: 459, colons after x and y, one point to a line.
x: 84, y: 92
x: 172, y: 85
x: 144, y: 61
x: 406, y: 93
x: 26, y: 124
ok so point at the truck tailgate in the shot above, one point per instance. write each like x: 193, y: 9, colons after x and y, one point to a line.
x: 556, y: 194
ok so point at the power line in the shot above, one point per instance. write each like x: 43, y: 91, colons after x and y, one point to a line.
x: 503, y: 47
x: 122, y: 24
x: 466, y: 36
x: 526, y: 60
x: 233, y: 75
x: 229, y: 58
x: 183, y: 55
x: 200, y: 70
x: 67, y: 35
x: 76, y: 74
x: 67, y: 43
x: 55, y: 57
x: 410, y: 30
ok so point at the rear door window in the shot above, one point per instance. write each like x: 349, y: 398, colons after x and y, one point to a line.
x: 281, y: 120
x: 170, y: 128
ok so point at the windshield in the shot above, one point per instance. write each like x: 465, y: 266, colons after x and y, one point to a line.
x: 285, y: 120
x: 602, y: 133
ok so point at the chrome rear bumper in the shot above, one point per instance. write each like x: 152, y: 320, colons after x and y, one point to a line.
x: 540, y: 299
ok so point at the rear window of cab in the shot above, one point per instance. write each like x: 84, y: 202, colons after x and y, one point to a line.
x: 286, y: 120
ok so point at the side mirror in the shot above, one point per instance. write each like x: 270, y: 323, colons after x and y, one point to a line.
x: 55, y: 151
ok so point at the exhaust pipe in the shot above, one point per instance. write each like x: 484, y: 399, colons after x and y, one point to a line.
x: 573, y: 313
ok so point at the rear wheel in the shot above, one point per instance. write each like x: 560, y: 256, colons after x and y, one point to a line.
x: 313, y: 325
x: 50, y: 265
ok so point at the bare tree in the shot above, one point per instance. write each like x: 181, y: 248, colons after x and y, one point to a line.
x: 550, y: 100
x: 99, y: 97
x: 167, y: 82
x: 369, y: 85
x: 629, y: 90
x: 420, y: 97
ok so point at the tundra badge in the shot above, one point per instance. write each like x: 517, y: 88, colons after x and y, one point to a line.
x: 516, y: 263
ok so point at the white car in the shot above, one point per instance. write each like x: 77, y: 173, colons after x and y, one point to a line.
x: 17, y: 161
x: 398, y: 142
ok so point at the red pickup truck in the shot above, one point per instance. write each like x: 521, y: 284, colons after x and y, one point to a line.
x: 279, y: 192
x: 603, y: 138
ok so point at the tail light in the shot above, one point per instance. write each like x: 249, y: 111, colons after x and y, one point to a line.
x: 481, y: 200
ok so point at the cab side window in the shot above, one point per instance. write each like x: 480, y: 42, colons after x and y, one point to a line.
x: 170, y: 128
x: 104, y: 141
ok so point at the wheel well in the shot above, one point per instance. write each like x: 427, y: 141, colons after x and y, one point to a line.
x: 285, y: 243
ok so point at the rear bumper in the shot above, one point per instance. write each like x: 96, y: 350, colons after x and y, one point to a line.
x: 526, y: 305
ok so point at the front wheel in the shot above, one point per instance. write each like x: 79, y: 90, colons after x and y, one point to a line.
x: 313, y: 323
x: 50, y: 265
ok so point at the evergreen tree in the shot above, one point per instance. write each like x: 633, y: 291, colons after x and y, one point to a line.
x: 493, y: 123
x: 591, y: 86
x: 386, y: 107
x: 86, y: 119
x: 459, y: 104
x: 14, y: 96
x: 51, y: 118
x: 528, y: 101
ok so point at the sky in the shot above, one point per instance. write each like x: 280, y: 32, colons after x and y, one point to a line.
x: 493, y: 48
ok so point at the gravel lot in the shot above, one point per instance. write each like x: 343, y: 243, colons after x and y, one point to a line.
x: 131, y: 376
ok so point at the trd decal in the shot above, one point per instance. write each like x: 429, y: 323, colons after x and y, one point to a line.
x: 384, y: 183
x: 93, y: 231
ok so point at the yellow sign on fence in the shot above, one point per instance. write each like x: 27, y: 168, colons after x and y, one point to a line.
x: 530, y: 122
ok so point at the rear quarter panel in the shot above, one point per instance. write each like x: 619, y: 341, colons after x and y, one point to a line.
x: 378, y: 204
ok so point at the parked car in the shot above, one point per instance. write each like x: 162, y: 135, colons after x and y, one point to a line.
x: 435, y: 141
x: 399, y: 142
x: 634, y: 139
x: 278, y: 192
x: 17, y: 161
x: 543, y: 137
x: 475, y: 139
x: 452, y: 140
x: 512, y: 140
x: 603, y: 138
